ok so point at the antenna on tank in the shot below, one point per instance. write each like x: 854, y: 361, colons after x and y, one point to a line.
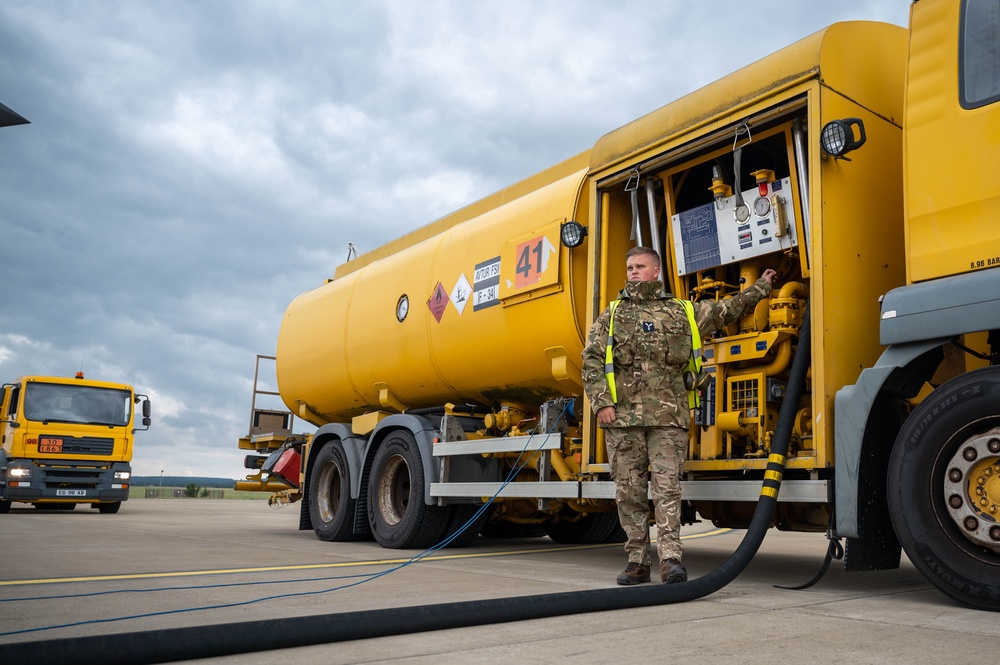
x: 352, y: 251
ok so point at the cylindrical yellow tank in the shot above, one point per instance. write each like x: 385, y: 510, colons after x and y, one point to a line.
x: 495, y: 313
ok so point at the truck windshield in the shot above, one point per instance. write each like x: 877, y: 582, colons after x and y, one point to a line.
x: 56, y: 402
x: 980, y: 53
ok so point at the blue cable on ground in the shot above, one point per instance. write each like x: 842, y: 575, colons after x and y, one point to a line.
x: 517, y: 468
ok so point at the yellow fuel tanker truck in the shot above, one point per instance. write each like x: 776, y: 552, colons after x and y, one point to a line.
x: 443, y: 369
x: 68, y: 441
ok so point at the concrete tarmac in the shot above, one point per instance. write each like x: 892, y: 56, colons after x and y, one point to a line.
x: 166, y: 563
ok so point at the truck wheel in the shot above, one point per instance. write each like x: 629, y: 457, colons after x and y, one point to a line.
x: 112, y: 507
x: 459, y: 516
x: 617, y: 535
x: 331, y: 508
x: 398, y: 515
x: 592, y: 528
x: 512, y: 530
x: 4, y: 507
x: 944, y: 488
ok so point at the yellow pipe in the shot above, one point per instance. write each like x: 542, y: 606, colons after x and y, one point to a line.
x: 256, y: 486
x: 791, y: 289
x: 603, y: 257
x: 564, y: 466
x: 749, y: 272
x: 776, y: 366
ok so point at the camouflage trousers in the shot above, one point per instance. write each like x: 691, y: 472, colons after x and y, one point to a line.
x: 653, y: 457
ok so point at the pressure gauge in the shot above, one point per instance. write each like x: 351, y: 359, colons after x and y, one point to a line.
x: 402, y: 307
x: 762, y: 207
x: 742, y: 213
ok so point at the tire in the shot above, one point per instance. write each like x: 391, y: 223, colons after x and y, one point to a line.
x: 932, y: 505
x: 109, y: 508
x: 459, y: 516
x: 397, y: 513
x: 4, y: 507
x: 617, y: 534
x: 512, y: 530
x: 589, y: 529
x: 331, y: 509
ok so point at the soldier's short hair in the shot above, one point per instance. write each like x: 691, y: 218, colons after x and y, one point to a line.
x: 636, y: 251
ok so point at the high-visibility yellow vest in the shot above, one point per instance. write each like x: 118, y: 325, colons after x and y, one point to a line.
x: 609, y: 358
x: 694, y: 362
x: 693, y: 365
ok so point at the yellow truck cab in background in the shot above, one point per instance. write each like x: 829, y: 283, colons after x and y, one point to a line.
x: 67, y: 441
x: 444, y: 368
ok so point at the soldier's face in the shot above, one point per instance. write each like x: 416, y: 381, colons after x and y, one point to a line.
x: 642, y: 268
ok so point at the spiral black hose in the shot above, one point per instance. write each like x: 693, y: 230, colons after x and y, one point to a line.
x: 159, y: 646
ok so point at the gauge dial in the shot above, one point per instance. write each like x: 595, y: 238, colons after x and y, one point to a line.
x: 742, y: 213
x: 762, y: 206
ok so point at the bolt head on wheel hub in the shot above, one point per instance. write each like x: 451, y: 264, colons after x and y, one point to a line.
x: 972, y: 489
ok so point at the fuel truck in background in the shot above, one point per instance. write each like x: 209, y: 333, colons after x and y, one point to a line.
x: 443, y: 368
x: 67, y: 441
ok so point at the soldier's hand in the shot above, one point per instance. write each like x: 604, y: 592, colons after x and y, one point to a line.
x: 606, y: 415
x: 769, y: 275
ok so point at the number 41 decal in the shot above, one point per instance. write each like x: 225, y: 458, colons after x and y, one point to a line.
x: 532, y: 261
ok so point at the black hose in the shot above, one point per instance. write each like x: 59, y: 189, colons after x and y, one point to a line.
x: 426, y: 411
x: 159, y: 646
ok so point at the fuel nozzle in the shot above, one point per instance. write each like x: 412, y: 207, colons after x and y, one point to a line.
x: 720, y: 190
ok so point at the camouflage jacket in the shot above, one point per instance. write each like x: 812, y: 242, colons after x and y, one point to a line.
x: 651, y: 348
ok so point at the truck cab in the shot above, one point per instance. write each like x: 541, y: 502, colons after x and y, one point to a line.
x: 67, y: 441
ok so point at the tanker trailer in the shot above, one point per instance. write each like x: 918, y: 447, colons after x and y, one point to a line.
x: 428, y: 363
x: 443, y: 369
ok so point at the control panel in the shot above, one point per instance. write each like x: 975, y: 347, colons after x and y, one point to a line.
x: 726, y: 231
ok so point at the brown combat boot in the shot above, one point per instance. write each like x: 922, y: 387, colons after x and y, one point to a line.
x: 634, y: 573
x: 672, y: 571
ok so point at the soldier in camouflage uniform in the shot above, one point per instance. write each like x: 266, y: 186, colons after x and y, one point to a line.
x: 647, y: 430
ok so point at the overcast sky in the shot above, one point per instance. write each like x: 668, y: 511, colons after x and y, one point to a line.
x: 193, y: 166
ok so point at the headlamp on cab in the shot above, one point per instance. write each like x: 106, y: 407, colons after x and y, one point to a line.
x: 838, y: 138
x: 571, y: 234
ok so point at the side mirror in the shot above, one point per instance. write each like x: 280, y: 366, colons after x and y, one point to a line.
x: 146, y: 409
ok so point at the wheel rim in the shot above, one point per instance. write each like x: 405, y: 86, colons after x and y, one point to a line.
x: 328, y: 494
x: 394, y: 490
x: 972, y: 489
